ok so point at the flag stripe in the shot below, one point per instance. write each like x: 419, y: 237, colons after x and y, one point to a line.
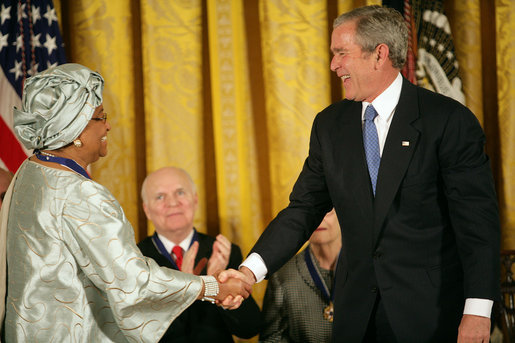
x: 30, y: 42
x: 409, y: 68
x: 11, y: 152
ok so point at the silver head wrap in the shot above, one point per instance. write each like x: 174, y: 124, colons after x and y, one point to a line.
x: 57, y: 104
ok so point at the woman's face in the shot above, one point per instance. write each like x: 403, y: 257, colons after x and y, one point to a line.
x: 94, y: 137
x: 328, y: 230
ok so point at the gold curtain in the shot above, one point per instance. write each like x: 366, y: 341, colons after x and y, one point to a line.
x: 237, y: 188
x: 98, y: 34
x: 171, y: 48
x: 296, y: 85
x: 505, y: 101
x: 228, y: 89
x: 486, y: 53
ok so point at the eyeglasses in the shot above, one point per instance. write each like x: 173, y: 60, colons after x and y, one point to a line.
x: 103, y: 118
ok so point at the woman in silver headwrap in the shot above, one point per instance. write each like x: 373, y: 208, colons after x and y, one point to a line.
x: 74, y: 272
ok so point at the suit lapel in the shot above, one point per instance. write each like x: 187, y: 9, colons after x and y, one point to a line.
x: 398, y: 150
x: 351, y: 157
x: 205, y: 246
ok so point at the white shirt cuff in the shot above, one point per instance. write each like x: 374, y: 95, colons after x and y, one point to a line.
x: 478, y: 307
x: 473, y: 306
x: 256, y: 265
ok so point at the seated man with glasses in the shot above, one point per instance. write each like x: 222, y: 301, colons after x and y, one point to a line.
x: 170, y: 201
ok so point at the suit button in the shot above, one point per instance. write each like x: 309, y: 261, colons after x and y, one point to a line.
x: 374, y: 290
x: 377, y: 255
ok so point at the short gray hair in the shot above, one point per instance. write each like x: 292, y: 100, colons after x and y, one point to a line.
x: 377, y: 25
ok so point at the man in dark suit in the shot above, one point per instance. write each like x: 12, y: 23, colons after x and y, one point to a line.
x: 170, y: 201
x: 414, y: 193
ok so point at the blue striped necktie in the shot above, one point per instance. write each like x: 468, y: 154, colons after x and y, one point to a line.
x: 371, y: 142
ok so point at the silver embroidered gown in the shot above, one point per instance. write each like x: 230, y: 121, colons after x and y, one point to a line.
x: 75, y: 273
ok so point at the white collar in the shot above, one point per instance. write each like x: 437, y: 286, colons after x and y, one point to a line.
x: 169, y: 245
x: 386, y: 102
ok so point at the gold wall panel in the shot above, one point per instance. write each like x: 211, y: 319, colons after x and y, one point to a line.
x: 101, y: 34
x: 172, y: 84
x: 296, y: 70
x: 505, y: 19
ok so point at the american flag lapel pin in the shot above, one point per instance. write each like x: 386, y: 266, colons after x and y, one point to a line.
x: 405, y: 143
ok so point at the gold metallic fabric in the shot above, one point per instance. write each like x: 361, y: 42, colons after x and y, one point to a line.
x: 505, y: 20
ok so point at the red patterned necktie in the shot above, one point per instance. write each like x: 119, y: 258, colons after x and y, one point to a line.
x: 177, y: 252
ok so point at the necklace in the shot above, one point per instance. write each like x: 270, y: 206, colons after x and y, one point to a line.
x: 65, y: 162
x: 47, y: 154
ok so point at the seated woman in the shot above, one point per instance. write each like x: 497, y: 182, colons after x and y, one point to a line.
x: 73, y: 268
x: 298, y: 303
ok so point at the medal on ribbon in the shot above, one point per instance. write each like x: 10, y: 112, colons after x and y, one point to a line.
x: 319, y: 282
x: 329, y: 312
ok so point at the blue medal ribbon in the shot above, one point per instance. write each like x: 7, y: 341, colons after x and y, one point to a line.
x: 319, y: 282
x: 160, y: 246
x: 317, y: 278
x: 65, y: 162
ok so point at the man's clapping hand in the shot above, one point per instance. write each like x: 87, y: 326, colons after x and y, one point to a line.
x: 220, y: 257
x: 188, y: 261
x: 218, y: 261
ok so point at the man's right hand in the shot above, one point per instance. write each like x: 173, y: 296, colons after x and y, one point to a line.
x: 244, y: 277
x: 232, y: 292
x: 244, y: 274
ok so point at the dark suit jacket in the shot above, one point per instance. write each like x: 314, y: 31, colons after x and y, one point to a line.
x: 429, y: 239
x: 203, y: 321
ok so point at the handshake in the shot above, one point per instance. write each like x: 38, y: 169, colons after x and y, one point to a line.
x: 234, y: 286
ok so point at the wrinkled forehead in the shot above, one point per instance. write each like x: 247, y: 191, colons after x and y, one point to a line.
x: 168, y: 180
x: 343, y: 36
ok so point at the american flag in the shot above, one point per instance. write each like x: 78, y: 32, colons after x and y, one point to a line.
x: 30, y: 42
x: 409, y: 68
x: 431, y: 61
x: 437, y: 64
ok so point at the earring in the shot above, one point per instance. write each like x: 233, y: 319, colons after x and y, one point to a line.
x: 77, y: 143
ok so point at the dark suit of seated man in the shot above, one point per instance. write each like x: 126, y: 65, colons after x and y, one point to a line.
x: 170, y: 201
